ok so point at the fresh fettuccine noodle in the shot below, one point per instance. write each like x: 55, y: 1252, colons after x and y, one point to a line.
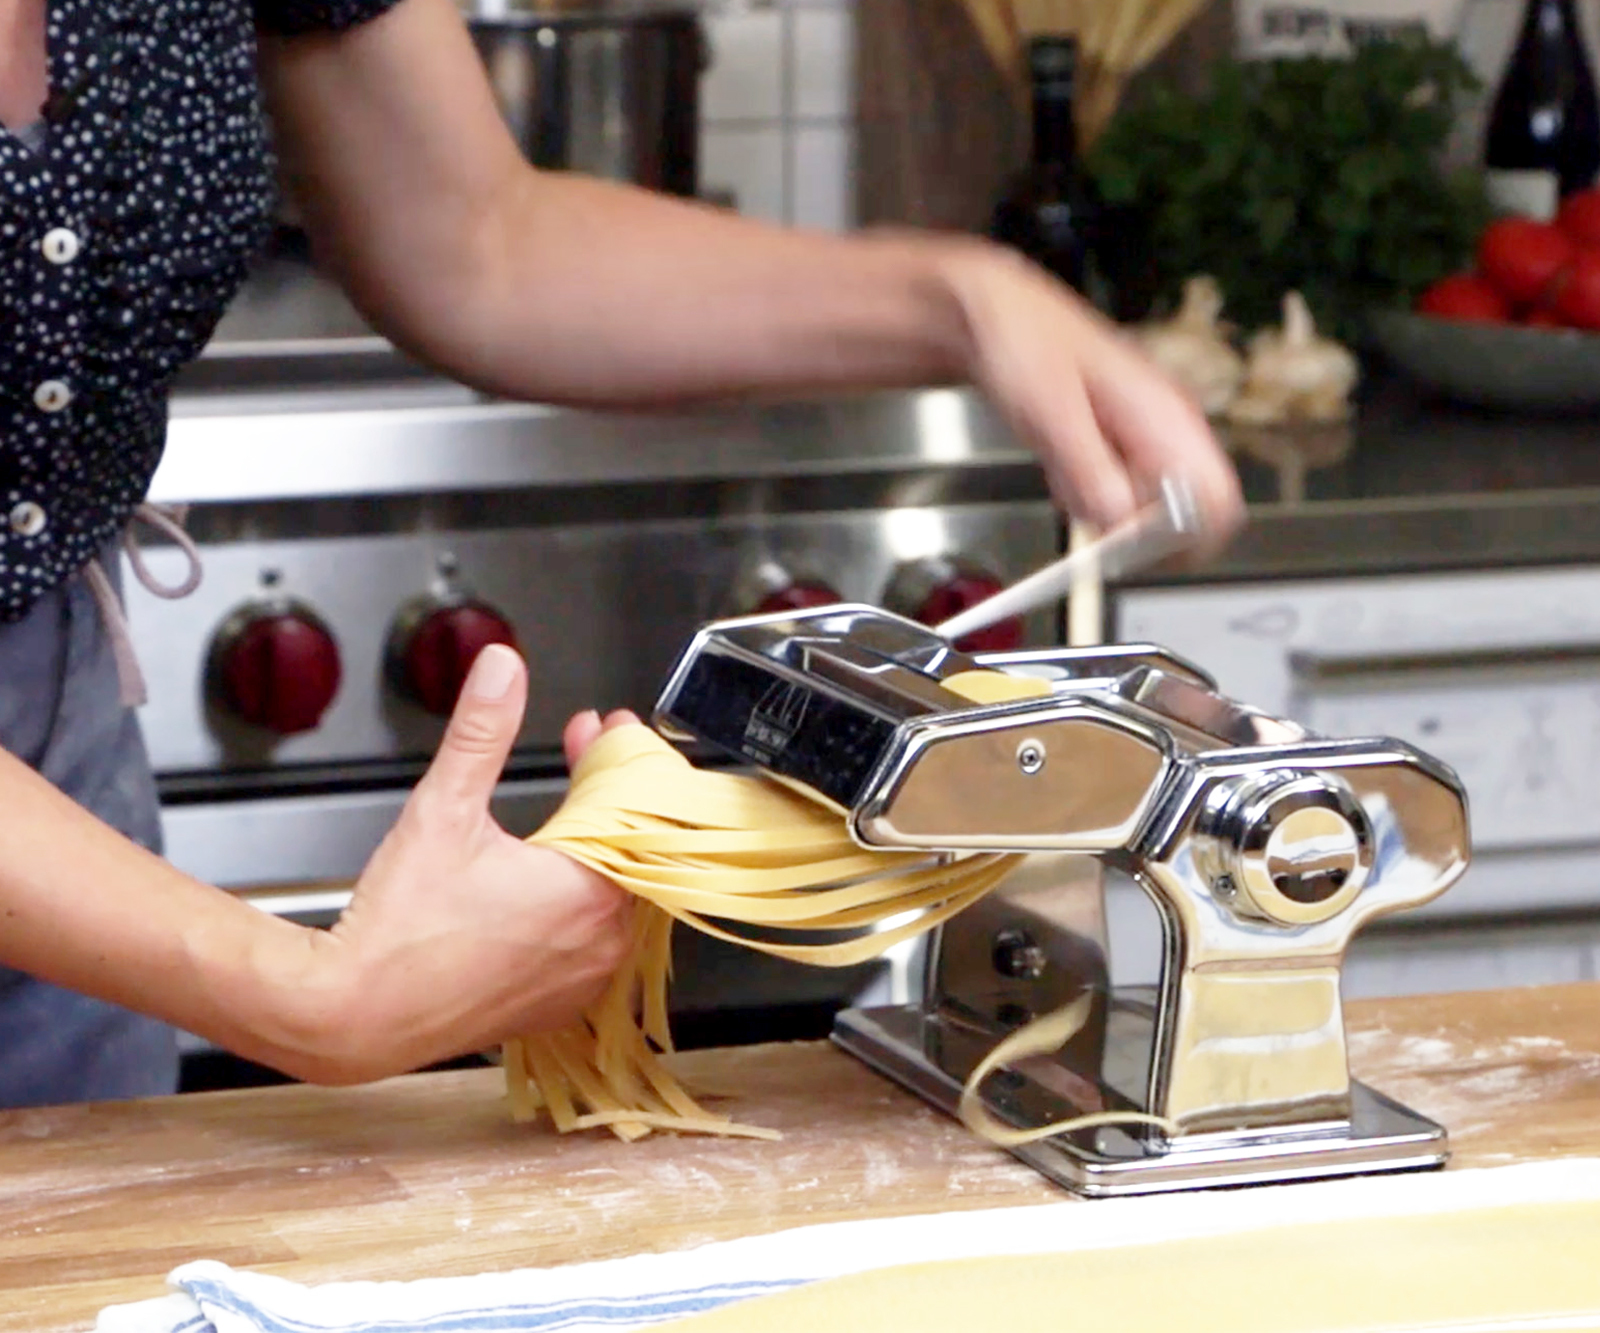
x: 720, y: 851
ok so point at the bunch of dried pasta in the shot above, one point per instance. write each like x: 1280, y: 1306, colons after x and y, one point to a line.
x: 717, y: 851
x: 1116, y: 40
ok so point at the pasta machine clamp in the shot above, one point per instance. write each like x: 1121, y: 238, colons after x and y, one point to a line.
x: 1264, y: 848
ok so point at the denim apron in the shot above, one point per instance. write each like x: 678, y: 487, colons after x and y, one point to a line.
x: 60, y: 712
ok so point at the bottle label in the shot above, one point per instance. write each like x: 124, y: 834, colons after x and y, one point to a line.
x: 1533, y: 194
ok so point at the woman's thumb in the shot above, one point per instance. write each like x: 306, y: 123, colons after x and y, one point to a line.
x: 482, y: 730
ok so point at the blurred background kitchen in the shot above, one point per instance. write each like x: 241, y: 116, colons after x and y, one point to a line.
x: 1417, y: 430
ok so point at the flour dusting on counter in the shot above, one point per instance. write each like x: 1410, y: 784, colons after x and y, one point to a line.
x: 1470, y: 1082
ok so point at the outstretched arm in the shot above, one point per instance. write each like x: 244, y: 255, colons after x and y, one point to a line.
x: 553, y: 287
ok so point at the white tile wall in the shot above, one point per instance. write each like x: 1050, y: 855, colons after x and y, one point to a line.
x: 823, y: 176
x: 824, y: 51
x: 745, y: 81
x: 746, y: 161
x: 778, y: 110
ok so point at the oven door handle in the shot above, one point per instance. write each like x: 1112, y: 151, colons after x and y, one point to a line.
x: 305, y: 904
x: 1312, y: 665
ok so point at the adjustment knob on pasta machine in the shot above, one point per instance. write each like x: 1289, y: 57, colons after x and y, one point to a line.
x: 933, y: 589
x: 771, y: 587
x: 1281, y: 846
x: 276, y: 665
x: 434, y: 643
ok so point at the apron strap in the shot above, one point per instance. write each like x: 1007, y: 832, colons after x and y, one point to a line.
x: 168, y: 521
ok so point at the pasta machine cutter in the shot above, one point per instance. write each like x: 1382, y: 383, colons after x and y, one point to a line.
x: 1264, y: 848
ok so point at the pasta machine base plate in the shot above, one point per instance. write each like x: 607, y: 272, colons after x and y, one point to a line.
x: 920, y: 1050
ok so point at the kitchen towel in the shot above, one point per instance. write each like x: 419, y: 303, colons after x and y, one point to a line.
x: 649, y: 1291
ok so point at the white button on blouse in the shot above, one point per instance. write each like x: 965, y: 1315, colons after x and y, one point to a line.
x: 27, y: 519
x: 60, y: 245
x: 125, y: 246
x: 51, y: 396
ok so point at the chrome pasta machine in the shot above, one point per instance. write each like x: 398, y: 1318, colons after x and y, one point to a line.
x: 1264, y: 848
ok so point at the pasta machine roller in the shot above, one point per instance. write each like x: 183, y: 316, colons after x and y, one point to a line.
x: 1264, y: 848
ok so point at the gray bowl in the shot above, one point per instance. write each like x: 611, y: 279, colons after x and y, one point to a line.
x: 1494, y: 365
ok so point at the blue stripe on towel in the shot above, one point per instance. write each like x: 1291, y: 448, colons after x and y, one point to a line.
x: 545, y: 1317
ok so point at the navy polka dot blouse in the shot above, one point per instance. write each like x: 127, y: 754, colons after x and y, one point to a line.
x: 125, y: 229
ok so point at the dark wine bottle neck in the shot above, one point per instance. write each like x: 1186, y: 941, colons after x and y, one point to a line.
x: 1550, y: 23
x: 1055, y: 137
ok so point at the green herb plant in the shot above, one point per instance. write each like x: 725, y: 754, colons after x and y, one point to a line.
x: 1318, y: 174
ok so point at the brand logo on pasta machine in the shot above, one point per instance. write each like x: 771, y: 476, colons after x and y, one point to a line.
x: 776, y: 718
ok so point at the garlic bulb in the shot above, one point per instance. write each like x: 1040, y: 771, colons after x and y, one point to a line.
x: 1295, y: 374
x: 1192, y: 347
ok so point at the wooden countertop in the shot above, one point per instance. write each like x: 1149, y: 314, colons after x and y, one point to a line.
x: 425, y: 1176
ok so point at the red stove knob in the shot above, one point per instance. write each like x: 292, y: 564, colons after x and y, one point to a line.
x: 277, y: 667
x: 798, y: 596
x: 931, y: 591
x: 434, y: 646
x: 770, y: 588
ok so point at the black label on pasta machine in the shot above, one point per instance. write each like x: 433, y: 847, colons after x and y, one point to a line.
x: 782, y: 724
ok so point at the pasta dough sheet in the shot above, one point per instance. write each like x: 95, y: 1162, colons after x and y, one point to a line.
x: 1488, y: 1270
x: 724, y: 853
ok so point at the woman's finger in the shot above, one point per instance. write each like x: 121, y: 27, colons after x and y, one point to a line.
x: 1161, y: 432
x: 583, y: 729
x: 482, y: 730
x: 579, y: 734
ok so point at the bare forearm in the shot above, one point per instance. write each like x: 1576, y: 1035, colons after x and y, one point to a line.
x: 88, y: 910
x: 561, y: 288
x: 599, y: 294
x: 593, y: 294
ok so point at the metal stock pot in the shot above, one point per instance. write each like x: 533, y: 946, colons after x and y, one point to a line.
x: 607, y: 89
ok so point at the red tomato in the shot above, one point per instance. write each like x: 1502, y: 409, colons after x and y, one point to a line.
x: 1578, y: 297
x: 1543, y: 319
x: 1464, y: 296
x: 1523, y: 258
x: 1579, y: 218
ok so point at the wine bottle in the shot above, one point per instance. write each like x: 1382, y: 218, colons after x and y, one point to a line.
x: 1050, y: 212
x: 1543, y: 136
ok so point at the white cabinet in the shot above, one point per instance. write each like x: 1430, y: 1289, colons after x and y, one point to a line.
x: 1498, y: 675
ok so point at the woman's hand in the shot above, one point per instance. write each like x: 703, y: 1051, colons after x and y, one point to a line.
x: 1105, y: 422
x: 459, y: 934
